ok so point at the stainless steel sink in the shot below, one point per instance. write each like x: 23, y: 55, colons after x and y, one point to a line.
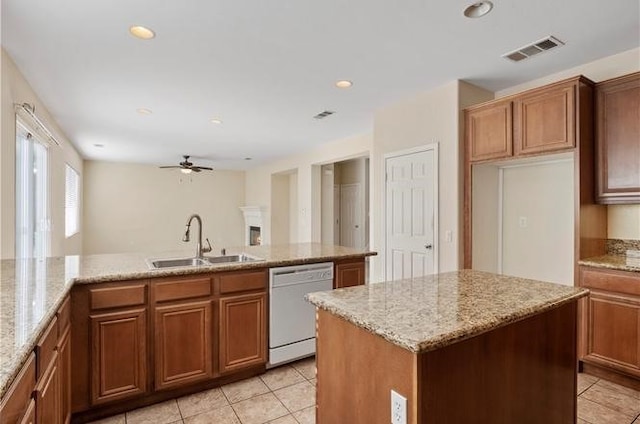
x: 173, y: 263
x: 207, y: 260
x: 242, y: 257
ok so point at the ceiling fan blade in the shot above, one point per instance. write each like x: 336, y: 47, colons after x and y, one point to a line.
x: 205, y: 168
x: 195, y: 169
x: 170, y: 166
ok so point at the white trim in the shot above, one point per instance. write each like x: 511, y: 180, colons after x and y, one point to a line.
x: 500, y: 217
x: 436, y: 196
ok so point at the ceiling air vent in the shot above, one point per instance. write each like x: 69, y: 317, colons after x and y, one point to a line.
x: 324, y: 114
x: 533, y: 49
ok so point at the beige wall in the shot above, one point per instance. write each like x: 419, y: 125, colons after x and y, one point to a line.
x: 141, y: 208
x: 16, y: 89
x: 623, y: 220
x: 541, y: 248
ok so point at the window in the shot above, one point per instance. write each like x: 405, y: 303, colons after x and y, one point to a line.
x: 71, y: 200
x: 32, y: 195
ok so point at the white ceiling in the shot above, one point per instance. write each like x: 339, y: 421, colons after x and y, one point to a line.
x: 267, y: 67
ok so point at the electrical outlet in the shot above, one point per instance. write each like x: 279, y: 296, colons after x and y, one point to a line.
x: 398, y: 408
x: 523, y: 222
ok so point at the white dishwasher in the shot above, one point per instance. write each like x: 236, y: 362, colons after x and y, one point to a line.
x: 292, y: 320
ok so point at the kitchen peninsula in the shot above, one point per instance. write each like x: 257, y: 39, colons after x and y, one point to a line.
x: 465, y: 346
x: 128, y: 325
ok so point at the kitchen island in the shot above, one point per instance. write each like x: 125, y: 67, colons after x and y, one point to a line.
x: 110, y: 306
x: 461, y: 347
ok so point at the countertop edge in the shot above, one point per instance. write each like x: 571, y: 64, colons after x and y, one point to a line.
x: 614, y: 262
x: 453, y: 337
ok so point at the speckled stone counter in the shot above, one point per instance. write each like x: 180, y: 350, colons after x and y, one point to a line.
x: 427, y: 313
x: 621, y: 263
x: 32, y: 290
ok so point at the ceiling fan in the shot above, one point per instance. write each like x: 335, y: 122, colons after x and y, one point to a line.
x: 187, y: 167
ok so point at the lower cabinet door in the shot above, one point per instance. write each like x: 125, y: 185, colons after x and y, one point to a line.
x: 64, y: 361
x: 614, y: 330
x: 118, y: 355
x: 48, y: 394
x: 183, y: 348
x: 243, y: 338
x: 29, y: 416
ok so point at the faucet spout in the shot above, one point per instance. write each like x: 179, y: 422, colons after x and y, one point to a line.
x: 199, y: 249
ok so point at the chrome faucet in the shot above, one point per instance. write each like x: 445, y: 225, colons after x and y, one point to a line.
x: 199, y: 249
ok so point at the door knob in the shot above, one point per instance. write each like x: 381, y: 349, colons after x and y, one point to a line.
x: 428, y: 246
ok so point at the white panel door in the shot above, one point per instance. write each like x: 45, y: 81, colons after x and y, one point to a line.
x: 410, y: 191
x: 351, y: 216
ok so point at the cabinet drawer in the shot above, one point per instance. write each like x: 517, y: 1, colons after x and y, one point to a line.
x: 64, y: 316
x: 17, y: 398
x: 46, y: 347
x: 182, y: 289
x: 612, y: 281
x: 242, y: 281
x: 114, y: 297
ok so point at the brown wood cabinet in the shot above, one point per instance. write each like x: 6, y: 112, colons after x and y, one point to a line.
x: 612, y: 330
x: 16, y: 402
x: 64, y: 359
x: 30, y: 415
x: 349, y: 273
x: 118, y: 355
x: 182, y: 343
x: 538, y: 121
x: 618, y: 140
x: 545, y: 119
x: 243, y: 338
x: 489, y: 131
x: 47, y: 394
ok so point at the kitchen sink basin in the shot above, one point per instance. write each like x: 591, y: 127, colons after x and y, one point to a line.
x: 242, y: 257
x: 207, y: 260
x: 172, y: 263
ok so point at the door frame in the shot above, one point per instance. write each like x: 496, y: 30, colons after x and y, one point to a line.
x: 436, y: 195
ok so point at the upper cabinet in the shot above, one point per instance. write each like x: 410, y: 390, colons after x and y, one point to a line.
x: 539, y: 121
x: 618, y: 140
x: 545, y: 119
x: 490, y: 131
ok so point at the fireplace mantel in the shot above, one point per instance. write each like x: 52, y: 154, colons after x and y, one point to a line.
x: 253, y: 218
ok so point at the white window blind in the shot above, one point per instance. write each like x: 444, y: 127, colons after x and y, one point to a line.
x: 71, y: 202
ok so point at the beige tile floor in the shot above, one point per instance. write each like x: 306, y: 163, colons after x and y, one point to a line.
x: 286, y: 395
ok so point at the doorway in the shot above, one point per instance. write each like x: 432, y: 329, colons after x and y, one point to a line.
x: 411, y: 204
x: 345, y: 203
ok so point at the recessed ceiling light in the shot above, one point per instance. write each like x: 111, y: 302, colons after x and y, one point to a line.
x: 144, y: 111
x: 98, y: 145
x: 478, y: 10
x: 142, y: 32
x: 344, y: 84
x: 216, y: 121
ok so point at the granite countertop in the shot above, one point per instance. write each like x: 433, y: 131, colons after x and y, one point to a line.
x: 31, y: 290
x: 618, y: 262
x: 431, y: 312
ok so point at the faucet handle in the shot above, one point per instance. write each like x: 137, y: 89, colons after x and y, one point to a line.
x: 208, y: 248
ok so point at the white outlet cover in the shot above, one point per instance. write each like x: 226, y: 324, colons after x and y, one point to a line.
x: 398, y: 408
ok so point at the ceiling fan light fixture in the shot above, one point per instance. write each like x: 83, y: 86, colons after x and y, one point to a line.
x: 216, y: 121
x: 186, y: 170
x: 144, y: 111
x: 478, y: 10
x: 142, y: 32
